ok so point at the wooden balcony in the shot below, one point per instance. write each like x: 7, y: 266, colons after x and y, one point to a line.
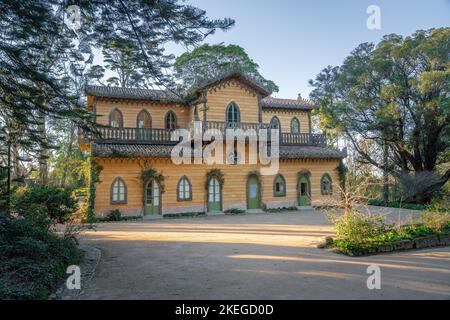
x: 222, y: 125
x: 303, y: 139
x: 163, y: 136
x: 133, y: 135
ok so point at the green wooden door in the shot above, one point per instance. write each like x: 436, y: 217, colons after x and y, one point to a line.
x: 253, y: 193
x: 303, y: 192
x: 152, y: 198
x: 214, y: 197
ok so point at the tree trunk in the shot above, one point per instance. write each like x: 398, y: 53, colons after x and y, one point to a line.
x: 68, y: 155
x: 43, y: 151
x: 15, y: 161
x: 385, y: 173
x: 425, y: 195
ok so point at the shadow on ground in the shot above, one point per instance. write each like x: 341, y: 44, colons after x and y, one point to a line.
x: 265, y: 256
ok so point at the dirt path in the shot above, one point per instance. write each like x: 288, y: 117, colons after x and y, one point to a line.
x: 264, y: 256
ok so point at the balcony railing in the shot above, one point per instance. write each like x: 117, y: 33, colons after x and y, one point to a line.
x: 134, y: 135
x: 222, y: 125
x: 163, y: 136
x: 303, y: 139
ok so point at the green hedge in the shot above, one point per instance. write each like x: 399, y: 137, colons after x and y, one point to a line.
x: 81, y: 192
x: 234, y: 211
x: 58, y: 201
x: 282, y: 209
x: 184, y: 215
x: 33, y: 259
x: 359, y: 233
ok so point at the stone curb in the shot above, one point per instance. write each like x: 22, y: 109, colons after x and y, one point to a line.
x: 88, y: 266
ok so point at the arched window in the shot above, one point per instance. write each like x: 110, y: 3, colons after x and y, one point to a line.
x: 118, y: 191
x: 116, y: 119
x: 184, y: 189
x: 326, y: 185
x: 295, y: 126
x: 279, y: 186
x: 170, y: 120
x: 144, y: 121
x: 275, y: 123
x: 233, y: 114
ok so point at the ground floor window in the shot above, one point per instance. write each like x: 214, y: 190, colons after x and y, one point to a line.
x: 118, y: 192
x: 184, y: 189
x: 279, y: 186
x: 326, y: 185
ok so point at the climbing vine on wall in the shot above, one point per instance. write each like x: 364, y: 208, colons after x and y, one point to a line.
x: 94, y: 179
x: 215, y: 173
x: 150, y: 174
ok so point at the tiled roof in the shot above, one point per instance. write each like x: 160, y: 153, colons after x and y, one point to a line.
x: 131, y: 150
x: 310, y: 152
x: 249, y: 81
x: 147, y: 150
x: 169, y: 96
x: 133, y: 93
x: 278, y: 103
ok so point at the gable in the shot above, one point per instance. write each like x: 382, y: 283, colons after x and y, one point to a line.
x: 221, y: 95
x: 244, y: 80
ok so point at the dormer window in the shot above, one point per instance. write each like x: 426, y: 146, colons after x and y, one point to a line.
x: 233, y: 115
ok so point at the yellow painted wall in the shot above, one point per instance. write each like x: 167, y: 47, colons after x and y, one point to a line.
x: 286, y: 117
x: 234, y: 190
x: 131, y: 108
x: 220, y: 97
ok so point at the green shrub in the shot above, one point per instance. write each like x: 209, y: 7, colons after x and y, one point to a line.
x: 357, y: 227
x: 184, y: 215
x: 59, y: 202
x: 436, y: 218
x: 81, y: 192
x: 114, y: 215
x: 33, y: 258
x: 233, y: 211
x: 359, y: 233
x: 281, y: 209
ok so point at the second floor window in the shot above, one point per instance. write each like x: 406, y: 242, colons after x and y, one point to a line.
x: 116, y: 119
x: 170, y: 121
x: 233, y: 114
x: 143, y: 120
x: 275, y: 123
x: 295, y: 126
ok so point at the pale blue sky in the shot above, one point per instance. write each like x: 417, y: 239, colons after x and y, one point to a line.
x: 293, y: 40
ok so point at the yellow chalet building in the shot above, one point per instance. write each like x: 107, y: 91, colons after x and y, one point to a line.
x: 134, y: 142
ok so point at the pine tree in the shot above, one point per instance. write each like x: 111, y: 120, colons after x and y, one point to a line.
x: 41, y: 58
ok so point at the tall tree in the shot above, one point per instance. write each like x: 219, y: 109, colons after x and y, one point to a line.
x: 395, y: 94
x: 125, y: 60
x: 209, y: 61
x: 36, y: 50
